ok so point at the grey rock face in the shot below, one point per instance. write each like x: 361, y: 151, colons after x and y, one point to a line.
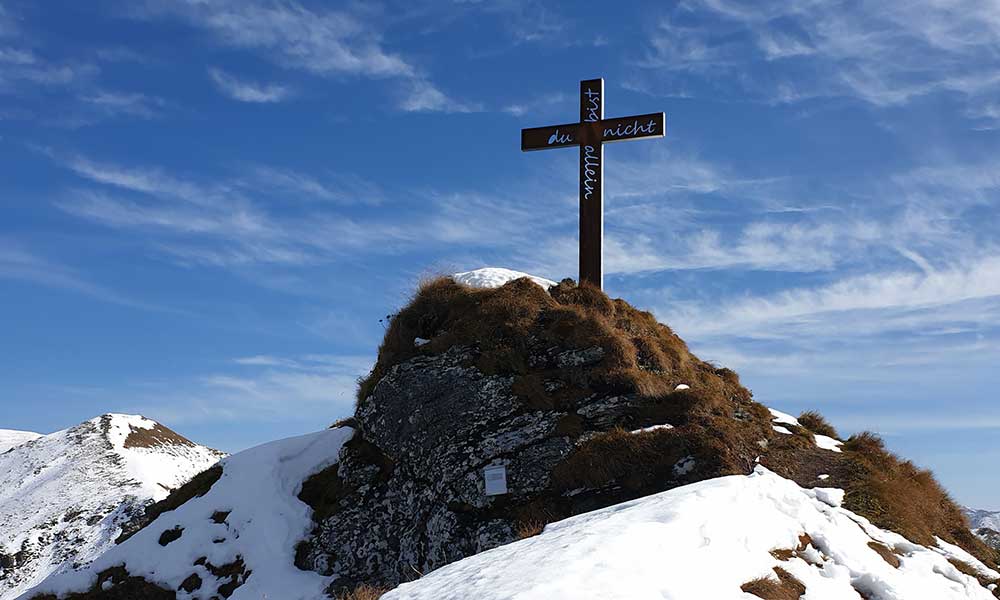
x: 437, y: 423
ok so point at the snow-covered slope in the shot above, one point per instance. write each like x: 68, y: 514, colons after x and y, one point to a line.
x: 10, y: 438
x: 64, y: 496
x: 705, y: 540
x: 251, y: 514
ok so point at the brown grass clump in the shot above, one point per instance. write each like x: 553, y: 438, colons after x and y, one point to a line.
x: 897, y: 495
x: 618, y: 455
x: 363, y: 592
x: 786, y: 588
x: 886, y: 554
x: 817, y: 423
x: 639, y: 354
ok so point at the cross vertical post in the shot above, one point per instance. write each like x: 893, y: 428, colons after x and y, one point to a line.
x: 591, y: 183
x: 590, y: 134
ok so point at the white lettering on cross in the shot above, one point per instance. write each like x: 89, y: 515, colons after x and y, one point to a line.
x: 633, y: 128
x: 590, y: 164
x: 557, y: 138
x: 593, y: 106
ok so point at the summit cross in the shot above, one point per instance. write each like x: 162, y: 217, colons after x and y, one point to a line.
x: 590, y: 134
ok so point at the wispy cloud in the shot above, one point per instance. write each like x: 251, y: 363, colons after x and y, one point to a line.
x: 18, y: 263
x: 875, y: 303
x: 870, y: 51
x: 247, y: 91
x: 343, y: 188
x: 260, y: 388
x: 129, y: 104
x: 421, y: 95
x: 320, y: 41
x: 323, y: 42
x: 537, y: 105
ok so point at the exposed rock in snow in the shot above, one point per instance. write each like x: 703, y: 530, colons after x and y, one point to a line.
x: 249, y: 521
x: 702, y: 541
x: 494, y: 277
x: 65, y: 496
x: 10, y: 438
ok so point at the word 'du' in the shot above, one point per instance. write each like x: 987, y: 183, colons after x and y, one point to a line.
x: 560, y: 138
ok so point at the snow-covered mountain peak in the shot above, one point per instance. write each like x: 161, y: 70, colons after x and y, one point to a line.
x: 10, y: 438
x: 983, y: 518
x: 65, y: 496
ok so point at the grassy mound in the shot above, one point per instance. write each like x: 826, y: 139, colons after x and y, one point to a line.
x: 640, y: 354
x: 718, y: 427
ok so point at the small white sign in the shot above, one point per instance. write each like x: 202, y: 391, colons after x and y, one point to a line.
x: 496, y: 480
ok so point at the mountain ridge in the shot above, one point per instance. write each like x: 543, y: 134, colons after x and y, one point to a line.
x: 65, y: 496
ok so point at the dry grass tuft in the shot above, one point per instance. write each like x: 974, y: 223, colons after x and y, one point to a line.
x: 897, y: 495
x: 363, y: 592
x: 817, y: 423
x: 786, y: 587
x: 527, y: 529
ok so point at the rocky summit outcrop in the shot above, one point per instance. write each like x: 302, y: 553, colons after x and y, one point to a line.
x: 585, y: 401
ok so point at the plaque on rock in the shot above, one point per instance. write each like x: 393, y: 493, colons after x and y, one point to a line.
x: 496, y: 480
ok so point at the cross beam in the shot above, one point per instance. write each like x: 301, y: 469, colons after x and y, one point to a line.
x: 590, y: 134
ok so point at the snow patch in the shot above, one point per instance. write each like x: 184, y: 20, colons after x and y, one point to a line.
x: 831, y: 496
x: 494, y: 277
x: 682, y: 386
x: 828, y: 443
x: 779, y: 417
x: 699, y: 541
x: 781, y: 429
x: 653, y: 428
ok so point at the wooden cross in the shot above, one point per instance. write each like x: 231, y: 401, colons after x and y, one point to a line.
x: 590, y: 134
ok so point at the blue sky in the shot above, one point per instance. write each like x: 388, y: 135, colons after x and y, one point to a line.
x: 208, y: 206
